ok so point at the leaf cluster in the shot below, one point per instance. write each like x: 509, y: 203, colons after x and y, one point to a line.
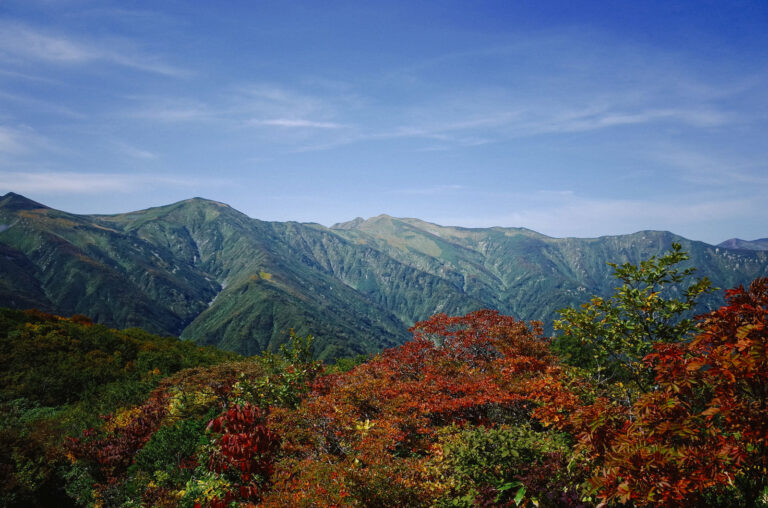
x: 609, y: 337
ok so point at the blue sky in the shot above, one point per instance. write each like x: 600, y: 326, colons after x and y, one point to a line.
x: 569, y: 118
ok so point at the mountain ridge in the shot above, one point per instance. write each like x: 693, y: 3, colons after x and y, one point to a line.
x: 738, y: 243
x: 200, y: 269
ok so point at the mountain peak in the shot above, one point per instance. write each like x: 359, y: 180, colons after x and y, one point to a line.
x: 738, y: 243
x: 16, y: 202
x: 198, y: 199
x: 359, y: 222
x: 352, y: 224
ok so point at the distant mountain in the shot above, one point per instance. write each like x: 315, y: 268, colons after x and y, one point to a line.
x: 206, y: 272
x: 738, y: 243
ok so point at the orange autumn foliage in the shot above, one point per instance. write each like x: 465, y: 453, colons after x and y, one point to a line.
x: 704, y: 429
x: 368, y: 434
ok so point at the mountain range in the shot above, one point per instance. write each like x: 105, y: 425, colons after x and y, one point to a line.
x: 208, y: 273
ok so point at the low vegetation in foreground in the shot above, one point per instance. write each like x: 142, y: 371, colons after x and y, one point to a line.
x: 635, y: 403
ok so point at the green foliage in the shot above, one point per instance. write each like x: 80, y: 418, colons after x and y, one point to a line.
x: 287, y: 375
x: 347, y: 364
x: 205, y: 488
x: 57, y: 376
x: 610, y: 336
x: 79, y: 484
x: 166, y: 462
x: 169, y: 451
x: 57, y: 361
x: 737, y: 494
x: 480, y: 463
x: 28, y: 456
x: 298, y: 350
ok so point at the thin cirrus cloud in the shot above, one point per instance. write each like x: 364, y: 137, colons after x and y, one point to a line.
x: 22, y: 140
x: 135, y: 152
x: 11, y: 141
x: 433, y: 190
x: 275, y: 101
x: 20, y: 43
x: 587, y: 121
x: 509, y: 117
x: 585, y: 85
x: 42, y: 105
x: 297, y: 123
x: 472, y: 116
x: 56, y: 182
x: 173, y: 113
x: 257, y: 105
x: 702, y: 167
x: 481, y: 116
x: 481, y: 129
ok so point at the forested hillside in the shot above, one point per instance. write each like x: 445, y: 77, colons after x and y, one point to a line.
x: 208, y: 273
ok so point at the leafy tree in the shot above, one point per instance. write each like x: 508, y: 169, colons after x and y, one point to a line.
x: 609, y: 337
x: 704, y: 430
x: 699, y: 438
x: 287, y: 375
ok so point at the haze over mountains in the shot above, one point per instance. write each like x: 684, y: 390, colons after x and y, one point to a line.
x: 206, y: 272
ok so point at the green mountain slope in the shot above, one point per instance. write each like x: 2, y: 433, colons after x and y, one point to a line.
x: 530, y: 275
x: 197, y: 268
x: 209, y: 273
x: 83, y: 265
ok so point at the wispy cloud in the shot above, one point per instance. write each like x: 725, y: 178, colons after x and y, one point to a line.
x: 431, y: 191
x: 19, y: 43
x: 136, y: 153
x: 21, y: 140
x: 171, y: 109
x: 250, y: 106
x: 41, y: 105
x: 288, y: 108
x: 511, y: 119
x: 11, y: 141
x: 508, y: 118
x: 275, y: 101
x: 297, y: 123
x: 29, y: 77
x: 702, y: 167
x: 482, y: 128
x: 173, y: 114
x: 571, y: 81
x: 47, y: 182
x: 587, y: 120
